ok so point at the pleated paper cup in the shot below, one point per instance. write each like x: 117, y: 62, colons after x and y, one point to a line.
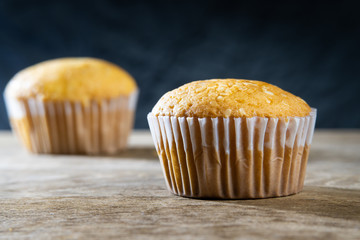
x: 233, y: 158
x: 65, y: 127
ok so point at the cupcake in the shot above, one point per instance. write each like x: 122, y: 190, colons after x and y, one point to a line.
x: 232, y: 139
x: 72, y: 106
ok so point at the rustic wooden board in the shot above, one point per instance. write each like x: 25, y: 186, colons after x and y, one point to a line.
x: 67, y: 197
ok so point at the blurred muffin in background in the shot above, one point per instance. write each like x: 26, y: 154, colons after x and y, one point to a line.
x: 232, y: 139
x: 72, y: 106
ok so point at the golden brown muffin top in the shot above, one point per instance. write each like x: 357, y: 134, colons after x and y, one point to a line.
x: 230, y: 98
x: 73, y: 79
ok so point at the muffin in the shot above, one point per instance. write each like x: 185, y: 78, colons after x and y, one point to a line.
x: 72, y: 106
x: 232, y: 139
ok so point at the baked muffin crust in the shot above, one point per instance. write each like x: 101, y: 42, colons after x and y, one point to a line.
x: 72, y: 79
x: 230, y: 98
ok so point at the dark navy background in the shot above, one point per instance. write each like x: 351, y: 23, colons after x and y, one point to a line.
x: 310, y: 49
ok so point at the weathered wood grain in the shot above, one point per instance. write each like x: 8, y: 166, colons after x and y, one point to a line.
x: 80, y: 197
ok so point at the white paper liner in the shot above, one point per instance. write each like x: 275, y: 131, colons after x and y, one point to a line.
x: 65, y: 127
x: 233, y: 158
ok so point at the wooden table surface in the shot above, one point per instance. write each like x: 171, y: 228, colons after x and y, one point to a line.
x: 82, y: 197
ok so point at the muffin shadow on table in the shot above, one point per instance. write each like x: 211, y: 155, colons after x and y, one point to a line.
x: 144, y: 153
x: 135, y: 153
x: 314, y: 200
